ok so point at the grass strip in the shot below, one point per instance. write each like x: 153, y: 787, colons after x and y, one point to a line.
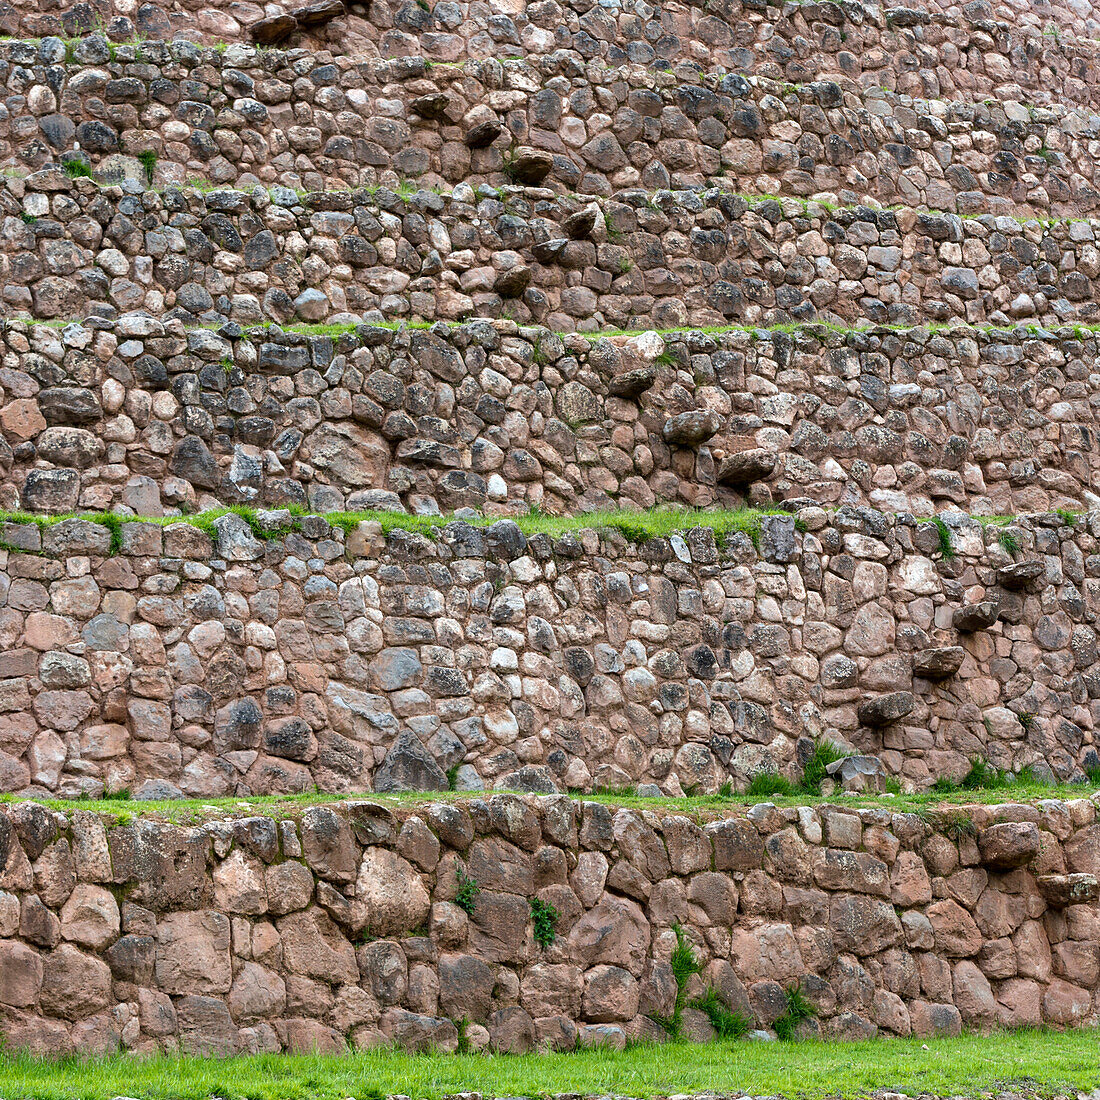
x: 633, y: 525
x: 188, y: 811
x: 1047, y: 1063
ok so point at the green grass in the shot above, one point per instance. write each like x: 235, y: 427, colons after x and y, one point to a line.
x: 699, y: 807
x: 815, y: 330
x: 1046, y: 1061
x: 635, y: 526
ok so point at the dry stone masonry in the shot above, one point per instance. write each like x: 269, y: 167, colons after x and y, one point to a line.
x: 351, y: 662
x: 317, y: 262
x: 148, y: 414
x: 344, y: 928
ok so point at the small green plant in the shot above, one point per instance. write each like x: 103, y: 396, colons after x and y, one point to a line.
x: 1026, y: 719
x: 728, y: 1023
x: 468, y: 890
x: 148, y: 158
x: 947, y: 547
x: 1066, y: 516
x: 764, y: 784
x: 28, y: 219
x: 463, y: 1041
x: 1009, y: 543
x: 227, y: 365
x: 625, y: 264
x: 1092, y: 773
x: 798, y: 1009
x: 77, y: 169
x: 666, y: 359
x: 726, y: 790
x: 544, y: 917
x: 452, y: 771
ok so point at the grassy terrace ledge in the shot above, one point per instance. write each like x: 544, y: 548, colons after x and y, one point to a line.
x: 945, y: 802
x: 1045, y: 1063
x: 635, y: 526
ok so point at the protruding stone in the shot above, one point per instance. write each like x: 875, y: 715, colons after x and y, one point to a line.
x: 631, y: 383
x: 938, y: 663
x: 884, y: 709
x: 1061, y: 891
x: 858, y: 773
x: 975, y: 616
x: 1020, y: 574
x: 409, y: 766
x: 483, y: 134
x: 315, y: 15
x: 529, y: 166
x: 1009, y: 845
x: 690, y: 429
x: 433, y: 106
x: 277, y: 28
x: 745, y: 467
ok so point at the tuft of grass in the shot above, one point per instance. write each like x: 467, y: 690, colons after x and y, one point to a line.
x: 148, y: 158
x: 683, y: 961
x: 814, y: 773
x: 947, y: 546
x: 77, y: 169
x: 684, y: 966
x: 764, y: 784
x: 728, y: 1023
x: 1009, y: 543
x: 985, y: 777
x: 798, y: 1009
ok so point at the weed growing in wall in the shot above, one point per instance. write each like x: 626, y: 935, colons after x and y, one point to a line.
x: 468, y: 890
x: 544, y: 917
x: 798, y: 1009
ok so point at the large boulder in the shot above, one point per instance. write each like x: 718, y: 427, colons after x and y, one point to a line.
x: 1009, y: 845
x: 409, y: 766
x: 390, y: 897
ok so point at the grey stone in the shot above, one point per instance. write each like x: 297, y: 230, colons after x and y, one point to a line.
x: 409, y: 766
x: 884, y: 709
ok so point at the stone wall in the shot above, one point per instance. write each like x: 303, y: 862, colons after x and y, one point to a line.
x: 342, y: 929
x: 970, y: 54
x: 642, y: 260
x: 306, y: 119
x: 350, y: 662
x: 146, y: 415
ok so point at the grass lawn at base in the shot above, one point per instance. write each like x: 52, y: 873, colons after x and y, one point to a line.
x: 1047, y: 1062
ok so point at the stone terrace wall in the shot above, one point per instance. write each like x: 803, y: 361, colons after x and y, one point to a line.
x: 301, y: 119
x: 341, y: 929
x: 254, y: 667
x: 971, y: 54
x: 147, y: 415
x: 642, y: 260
